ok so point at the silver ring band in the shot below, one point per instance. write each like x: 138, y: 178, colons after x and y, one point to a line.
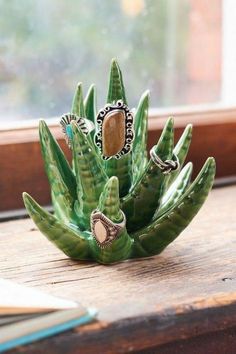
x: 165, y: 166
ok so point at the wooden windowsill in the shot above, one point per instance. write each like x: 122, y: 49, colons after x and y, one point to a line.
x: 197, y: 113
x: 183, y: 300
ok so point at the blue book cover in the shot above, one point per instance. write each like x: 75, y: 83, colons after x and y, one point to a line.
x: 42, y: 326
x: 28, y: 315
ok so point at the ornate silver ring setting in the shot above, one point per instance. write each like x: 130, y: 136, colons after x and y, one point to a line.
x: 104, y: 230
x: 82, y: 123
x: 115, y: 130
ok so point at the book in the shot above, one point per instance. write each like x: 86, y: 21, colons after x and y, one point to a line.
x: 16, y: 298
x: 27, y: 315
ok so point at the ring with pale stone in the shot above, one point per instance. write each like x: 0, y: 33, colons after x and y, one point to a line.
x: 104, y: 230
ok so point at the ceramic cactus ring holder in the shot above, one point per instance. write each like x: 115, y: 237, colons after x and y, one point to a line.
x: 114, y: 202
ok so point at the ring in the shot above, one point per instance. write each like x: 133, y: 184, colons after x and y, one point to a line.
x: 65, y: 122
x: 165, y: 166
x: 115, y: 130
x: 105, y: 231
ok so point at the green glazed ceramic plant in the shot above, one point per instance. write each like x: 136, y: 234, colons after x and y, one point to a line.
x: 116, y: 205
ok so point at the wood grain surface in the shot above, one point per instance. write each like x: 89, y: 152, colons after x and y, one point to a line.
x: 186, y: 293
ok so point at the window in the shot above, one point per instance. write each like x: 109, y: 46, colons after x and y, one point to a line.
x: 172, y: 47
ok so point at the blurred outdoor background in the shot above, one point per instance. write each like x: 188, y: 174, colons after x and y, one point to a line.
x: 176, y: 48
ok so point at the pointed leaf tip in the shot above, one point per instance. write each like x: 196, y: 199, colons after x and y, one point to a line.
x: 29, y: 202
x: 78, y: 101
x: 189, y: 129
x: 116, y: 90
x: 144, y: 99
x: 146, y: 95
x: 113, y: 180
x: 170, y: 121
x: 42, y: 121
x: 79, y: 90
x: 115, y: 67
x: 42, y: 124
x: 109, y: 201
x: 113, y: 186
x: 44, y: 131
x: 25, y: 196
x: 164, y: 147
x: 169, y: 127
x: 211, y: 161
x: 189, y: 166
x: 114, y: 62
x: 189, y: 126
x: 90, y: 104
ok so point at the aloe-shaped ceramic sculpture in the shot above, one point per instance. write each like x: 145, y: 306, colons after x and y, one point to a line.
x: 114, y: 203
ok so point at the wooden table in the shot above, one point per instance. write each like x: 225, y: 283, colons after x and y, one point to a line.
x: 182, y: 301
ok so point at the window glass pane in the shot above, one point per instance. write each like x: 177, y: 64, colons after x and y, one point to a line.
x: 172, y: 47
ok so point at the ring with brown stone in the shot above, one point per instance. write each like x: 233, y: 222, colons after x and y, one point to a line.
x: 165, y: 166
x: 115, y: 130
x: 104, y: 230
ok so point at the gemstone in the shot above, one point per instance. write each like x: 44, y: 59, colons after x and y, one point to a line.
x: 69, y: 131
x: 113, y: 133
x: 100, y: 232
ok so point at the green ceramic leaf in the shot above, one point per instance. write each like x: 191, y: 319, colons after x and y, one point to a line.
x: 159, y: 233
x: 181, y: 150
x: 90, y: 176
x: 78, y: 102
x: 139, y: 151
x: 175, y: 191
x: 90, y: 104
x: 60, y: 175
x: 121, y: 168
x: 144, y: 198
x: 109, y: 205
x: 109, y: 201
x: 116, y: 90
x: 73, y: 244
